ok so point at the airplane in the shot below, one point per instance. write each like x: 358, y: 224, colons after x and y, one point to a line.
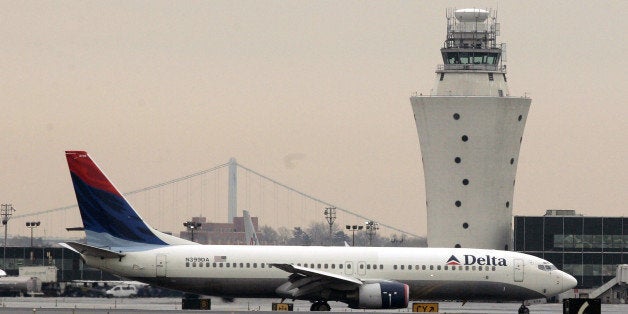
x: 121, y: 242
x: 249, y: 229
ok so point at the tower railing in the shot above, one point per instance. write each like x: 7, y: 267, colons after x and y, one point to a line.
x: 471, y: 67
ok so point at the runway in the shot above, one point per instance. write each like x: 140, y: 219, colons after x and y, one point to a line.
x: 173, y: 305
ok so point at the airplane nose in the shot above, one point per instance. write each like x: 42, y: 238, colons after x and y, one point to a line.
x: 569, y: 282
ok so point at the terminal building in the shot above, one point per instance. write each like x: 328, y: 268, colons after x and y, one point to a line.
x: 588, y: 248
x: 470, y: 129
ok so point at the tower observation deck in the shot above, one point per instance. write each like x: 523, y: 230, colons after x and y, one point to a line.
x: 470, y: 130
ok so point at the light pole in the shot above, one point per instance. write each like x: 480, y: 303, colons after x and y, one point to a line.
x: 330, y: 215
x: 32, y: 225
x: 353, y: 228
x: 192, y: 225
x: 6, y: 211
x: 371, y: 229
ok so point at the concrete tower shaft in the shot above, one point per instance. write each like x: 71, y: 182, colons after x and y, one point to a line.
x: 470, y: 132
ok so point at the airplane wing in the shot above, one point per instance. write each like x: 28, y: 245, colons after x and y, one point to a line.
x: 85, y: 249
x: 305, y: 281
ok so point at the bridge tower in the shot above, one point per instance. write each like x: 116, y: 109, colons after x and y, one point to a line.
x: 470, y: 130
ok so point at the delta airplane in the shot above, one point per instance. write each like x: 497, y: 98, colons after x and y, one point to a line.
x: 120, y: 242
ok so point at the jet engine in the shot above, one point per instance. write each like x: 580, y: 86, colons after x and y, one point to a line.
x: 380, y: 295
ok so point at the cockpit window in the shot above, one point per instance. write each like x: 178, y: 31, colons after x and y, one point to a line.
x: 547, y: 267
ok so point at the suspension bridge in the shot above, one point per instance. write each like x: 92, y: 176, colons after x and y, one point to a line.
x: 219, y: 194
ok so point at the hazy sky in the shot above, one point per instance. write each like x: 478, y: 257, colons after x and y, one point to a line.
x: 159, y: 89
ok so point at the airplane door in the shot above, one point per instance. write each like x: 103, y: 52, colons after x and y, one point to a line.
x: 348, y: 268
x: 160, y: 265
x: 518, y: 268
x: 361, y: 268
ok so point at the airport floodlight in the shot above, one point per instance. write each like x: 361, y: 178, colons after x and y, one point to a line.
x: 191, y: 226
x: 371, y: 230
x: 32, y: 225
x: 353, y: 228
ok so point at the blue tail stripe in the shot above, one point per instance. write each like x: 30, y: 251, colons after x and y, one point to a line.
x: 103, y: 212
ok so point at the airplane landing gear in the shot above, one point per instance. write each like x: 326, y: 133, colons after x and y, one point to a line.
x: 320, y: 306
x: 523, y: 309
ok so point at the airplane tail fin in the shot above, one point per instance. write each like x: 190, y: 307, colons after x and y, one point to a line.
x: 249, y: 229
x: 108, y: 219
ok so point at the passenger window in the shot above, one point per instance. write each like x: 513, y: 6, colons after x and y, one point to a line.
x: 381, y: 266
x: 248, y: 265
x: 241, y: 265
x: 262, y: 265
x: 194, y: 264
x: 234, y: 265
x: 340, y: 266
x: 402, y: 267
x: 361, y: 266
x: 431, y: 267
x: 326, y: 266
x: 254, y: 265
x: 446, y: 268
x: 395, y: 267
x: 187, y: 264
x: 207, y: 264
x: 213, y: 264
x: 333, y: 266
x: 368, y: 266
x: 200, y: 264
x: 423, y: 267
x: 227, y: 264
x: 409, y: 267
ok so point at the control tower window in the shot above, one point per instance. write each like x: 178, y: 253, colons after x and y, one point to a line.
x: 471, y: 58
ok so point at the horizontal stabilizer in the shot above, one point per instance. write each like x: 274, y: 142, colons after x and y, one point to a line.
x: 89, y: 250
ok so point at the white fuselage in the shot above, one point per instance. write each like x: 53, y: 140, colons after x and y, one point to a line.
x: 244, y: 271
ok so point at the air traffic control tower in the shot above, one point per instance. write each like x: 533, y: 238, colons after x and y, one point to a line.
x: 470, y: 130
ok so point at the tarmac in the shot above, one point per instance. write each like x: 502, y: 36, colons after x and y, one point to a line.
x: 31, y: 305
